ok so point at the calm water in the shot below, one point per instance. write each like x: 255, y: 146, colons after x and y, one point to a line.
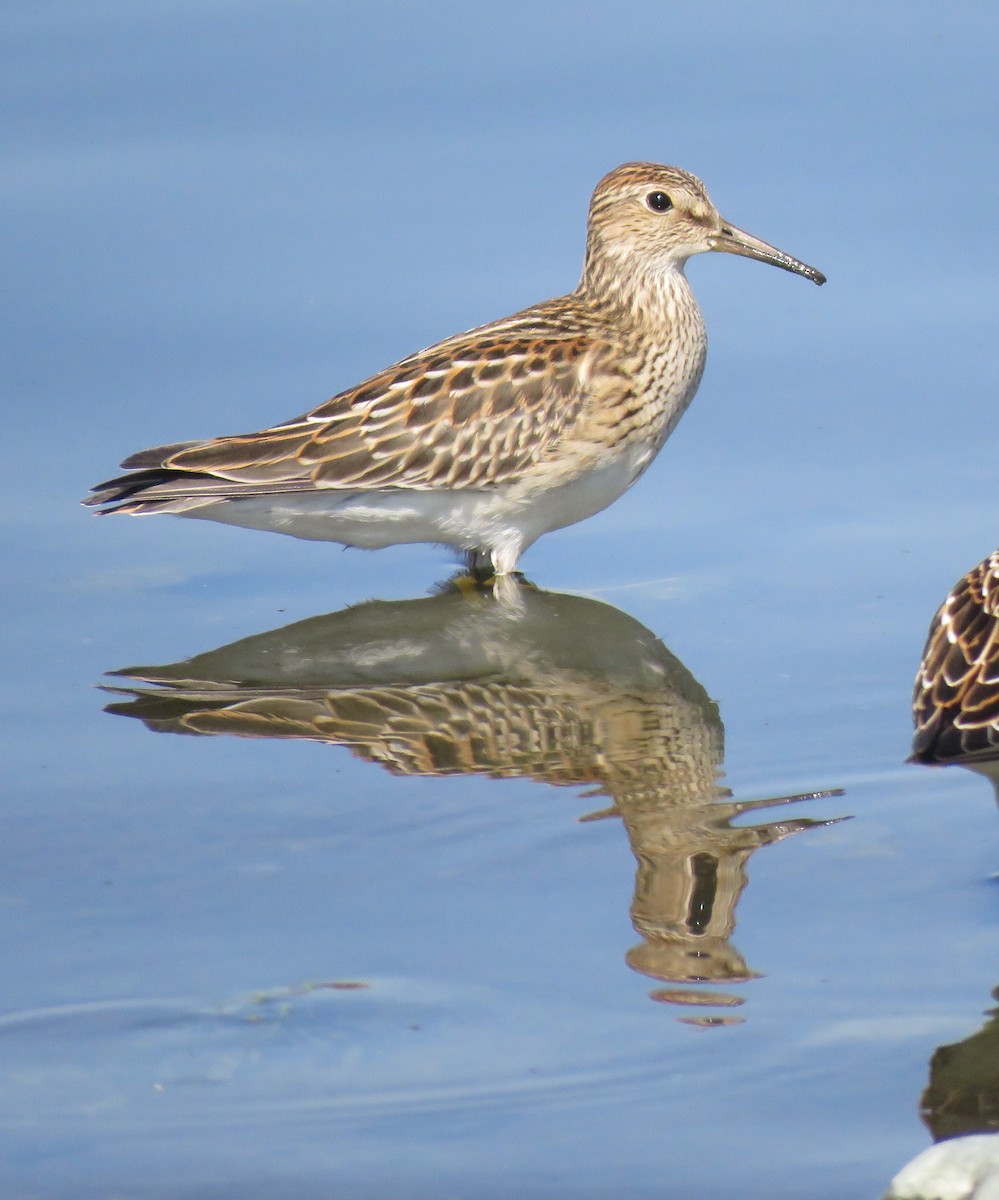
x: 432, y: 900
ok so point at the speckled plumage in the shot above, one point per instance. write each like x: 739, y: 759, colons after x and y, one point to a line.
x: 560, y: 689
x: 955, y: 702
x: 493, y: 437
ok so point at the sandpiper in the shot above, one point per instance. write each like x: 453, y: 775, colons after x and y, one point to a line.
x: 493, y: 437
x: 955, y: 701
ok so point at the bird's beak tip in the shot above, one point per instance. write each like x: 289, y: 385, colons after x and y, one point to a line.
x: 737, y: 241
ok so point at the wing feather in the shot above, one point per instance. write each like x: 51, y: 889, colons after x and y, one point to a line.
x: 475, y: 411
x: 955, y: 701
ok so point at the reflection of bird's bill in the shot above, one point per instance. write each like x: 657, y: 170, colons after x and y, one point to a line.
x: 690, y: 876
x: 560, y: 689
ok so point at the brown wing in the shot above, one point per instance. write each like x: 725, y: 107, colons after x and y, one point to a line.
x: 955, y: 702
x: 451, y: 728
x: 473, y: 411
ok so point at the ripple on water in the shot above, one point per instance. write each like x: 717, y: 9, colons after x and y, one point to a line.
x: 348, y: 1047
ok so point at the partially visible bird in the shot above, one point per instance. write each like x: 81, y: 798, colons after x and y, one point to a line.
x: 493, y: 437
x: 955, y: 702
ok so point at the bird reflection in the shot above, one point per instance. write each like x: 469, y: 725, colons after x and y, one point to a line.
x: 962, y: 1096
x: 955, y: 701
x: 960, y: 1107
x: 561, y: 689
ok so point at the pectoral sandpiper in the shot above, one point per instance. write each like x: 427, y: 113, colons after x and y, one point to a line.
x: 955, y: 701
x: 494, y: 437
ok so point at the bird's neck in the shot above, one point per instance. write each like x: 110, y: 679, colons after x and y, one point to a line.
x: 655, y: 295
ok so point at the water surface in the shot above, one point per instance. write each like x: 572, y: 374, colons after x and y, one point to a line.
x: 416, y: 898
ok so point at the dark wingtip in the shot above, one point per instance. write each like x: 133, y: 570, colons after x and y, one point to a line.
x: 122, y: 488
x: 142, y: 459
x: 100, y: 493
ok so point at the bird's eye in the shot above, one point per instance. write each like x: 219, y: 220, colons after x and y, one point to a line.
x: 658, y: 201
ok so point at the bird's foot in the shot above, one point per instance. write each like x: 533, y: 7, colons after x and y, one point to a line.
x: 508, y: 589
x: 503, y: 588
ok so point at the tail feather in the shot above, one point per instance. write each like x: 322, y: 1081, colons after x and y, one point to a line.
x: 159, y: 489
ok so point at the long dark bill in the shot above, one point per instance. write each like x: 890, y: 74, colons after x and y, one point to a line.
x: 737, y: 241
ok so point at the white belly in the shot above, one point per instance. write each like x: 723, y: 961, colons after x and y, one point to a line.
x: 502, y: 520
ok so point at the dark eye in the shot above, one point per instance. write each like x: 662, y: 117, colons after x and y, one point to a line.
x: 658, y: 201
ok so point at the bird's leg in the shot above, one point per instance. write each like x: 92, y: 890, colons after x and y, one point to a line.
x: 479, y: 564
x: 508, y: 591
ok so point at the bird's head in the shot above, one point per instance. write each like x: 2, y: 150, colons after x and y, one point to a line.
x: 658, y: 216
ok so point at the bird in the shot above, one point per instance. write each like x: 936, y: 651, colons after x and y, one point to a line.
x: 493, y: 437
x: 955, y: 700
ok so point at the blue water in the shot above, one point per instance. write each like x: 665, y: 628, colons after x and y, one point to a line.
x: 270, y: 966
